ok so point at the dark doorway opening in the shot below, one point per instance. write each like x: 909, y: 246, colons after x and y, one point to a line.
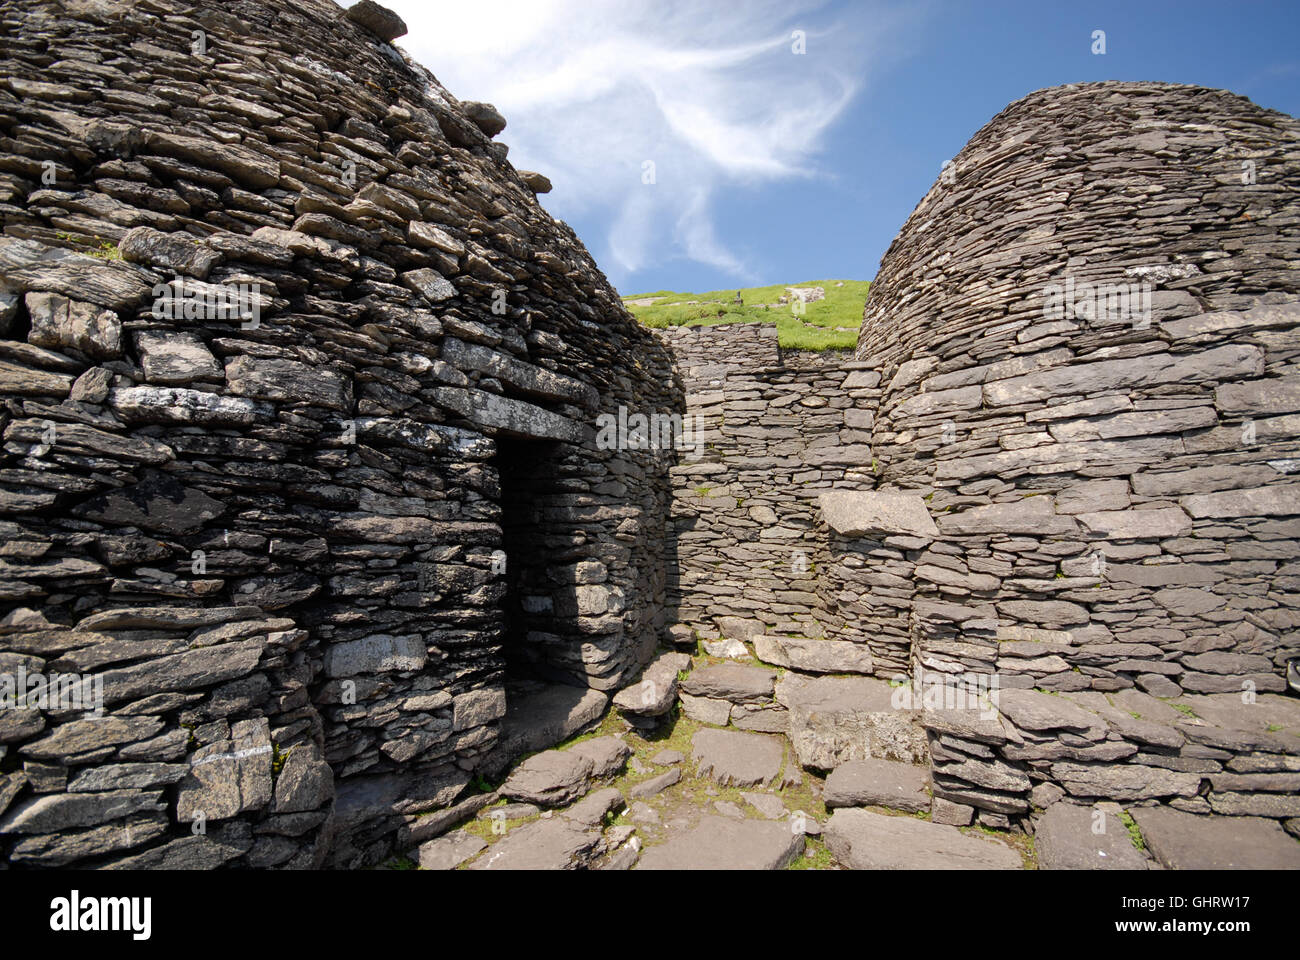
x: 545, y: 705
x: 529, y: 478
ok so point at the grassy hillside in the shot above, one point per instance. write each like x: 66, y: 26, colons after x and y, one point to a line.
x: 830, y: 324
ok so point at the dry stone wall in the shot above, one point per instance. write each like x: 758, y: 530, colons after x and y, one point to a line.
x: 303, y: 477
x: 1064, y: 463
x: 269, y: 521
x: 1086, y: 334
x: 773, y: 431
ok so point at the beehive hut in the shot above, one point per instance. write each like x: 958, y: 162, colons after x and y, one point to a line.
x: 1087, y: 339
x: 300, y: 386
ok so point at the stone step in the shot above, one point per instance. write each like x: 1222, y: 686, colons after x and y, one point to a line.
x: 876, y: 782
x: 862, y: 840
x: 721, y: 843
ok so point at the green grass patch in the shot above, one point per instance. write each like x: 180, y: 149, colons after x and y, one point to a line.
x: 1134, y: 831
x: 821, y: 858
x: 814, y: 329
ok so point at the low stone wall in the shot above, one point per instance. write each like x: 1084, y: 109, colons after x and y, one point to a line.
x: 777, y: 429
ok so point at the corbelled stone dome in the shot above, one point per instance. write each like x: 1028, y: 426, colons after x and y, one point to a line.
x: 300, y: 387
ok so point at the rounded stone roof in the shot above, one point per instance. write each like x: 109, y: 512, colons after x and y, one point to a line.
x: 1189, y: 189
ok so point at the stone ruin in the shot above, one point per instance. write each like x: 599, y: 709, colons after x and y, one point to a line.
x: 278, y: 538
x: 332, y: 472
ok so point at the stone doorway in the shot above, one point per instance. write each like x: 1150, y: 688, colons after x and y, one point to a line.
x: 546, y: 702
x: 528, y: 476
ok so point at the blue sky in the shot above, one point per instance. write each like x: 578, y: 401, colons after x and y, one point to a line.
x: 772, y: 166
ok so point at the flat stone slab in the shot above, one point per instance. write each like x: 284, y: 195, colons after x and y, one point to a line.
x: 591, y: 809
x: 1187, y: 841
x: 815, y: 656
x: 731, y: 681
x: 449, y: 852
x: 1065, y: 839
x: 862, y: 840
x: 767, y: 804
x: 556, y: 844
x: 876, y: 782
x: 836, y: 719
x: 737, y: 759
x: 854, y: 513
x: 549, y: 779
x: 1032, y: 710
x: 539, y: 719
x: 608, y: 755
x: 656, y: 785
x: 655, y: 691
x: 706, y: 709
x: 721, y: 843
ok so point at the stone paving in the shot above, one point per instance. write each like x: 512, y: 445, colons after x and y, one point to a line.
x: 687, y: 795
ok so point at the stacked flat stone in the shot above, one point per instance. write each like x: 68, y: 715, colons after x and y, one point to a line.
x: 1116, y: 499
x: 276, y: 538
x: 779, y: 429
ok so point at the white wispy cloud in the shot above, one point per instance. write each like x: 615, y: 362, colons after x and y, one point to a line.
x: 711, y: 92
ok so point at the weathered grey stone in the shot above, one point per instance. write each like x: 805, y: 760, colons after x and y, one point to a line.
x: 83, y: 736
x: 53, y: 813
x: 814, y: 656
x: 734, y: 682
x: 550, y: 779
x: 229, y: 777
x: 874, y: 782
x: 607, y: 755
x: 655, y: 785
x: 379, y: 653
x: 1124, y: 782
x: 450, y: 851
x: 1283, y: 500
x: 1258, y: 397
x: 1073, y: 837
x: 59, y: 322
x: 880, y: 513
x: 1221, y: 363
x: 476, y: 707
x: 512, y: 417
x: 720, y: 843
x: 536, y: 182
x: 706, y: 709
x: 1032, y: 710
x: 834, y: 720
x: 173, y: 252
x: 175, y: 357
x: 177, y: 405
x: 736, y: 759
x: 1138, y: 524
x: 590, y: 811
x: 485, y: 116
x: 1185, y: 841
x: 288, y: 380
x: 654, y: 693
x: 862, y: 840
x: 556, y: 844
x: 379, y: 20
x: 1030, y: 515
x: 953, y: 814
